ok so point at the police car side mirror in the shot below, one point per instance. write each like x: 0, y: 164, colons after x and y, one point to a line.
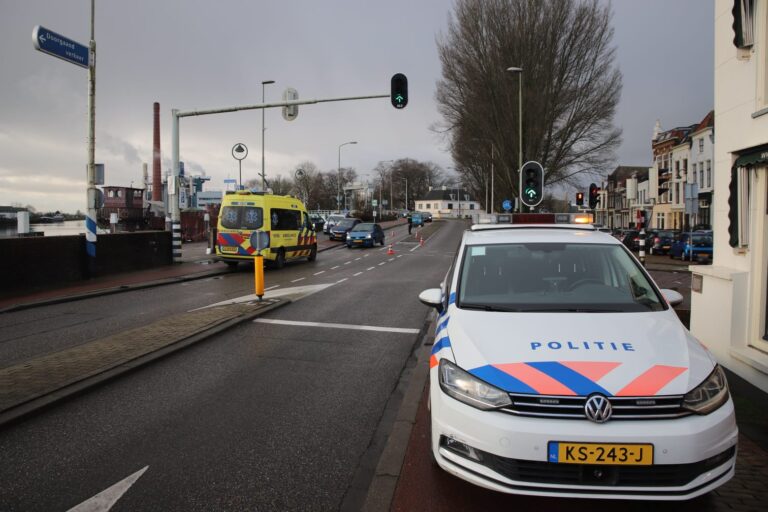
x: 673, y: 297
x: 432, y: 297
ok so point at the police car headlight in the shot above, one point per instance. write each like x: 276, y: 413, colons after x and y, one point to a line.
x: 709, y: 395
x: 470, y: 390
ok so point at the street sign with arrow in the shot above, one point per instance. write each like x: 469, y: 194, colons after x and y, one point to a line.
x: 48, y: 41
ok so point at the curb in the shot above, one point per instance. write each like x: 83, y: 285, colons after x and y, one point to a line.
x: 126, y: 287
x: 37, y: 404
x: 382, y: 488
x: 114, y: 289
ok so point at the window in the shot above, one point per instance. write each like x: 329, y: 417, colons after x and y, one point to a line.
x: 450, y: 206
x: 694, y: 173
x: 743, y: 23
x: 285, y: 220
x: 701, y: 174
x: 241, y: 217
x: 701, y: 145
x: 420, y: 206
x: 709, y: 173
x: 660, y: 220
x: 743, y: 191
x: 471, y: 206
x: 429, y: 205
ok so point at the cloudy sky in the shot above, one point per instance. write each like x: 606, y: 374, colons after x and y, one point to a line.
x: 193, y: 54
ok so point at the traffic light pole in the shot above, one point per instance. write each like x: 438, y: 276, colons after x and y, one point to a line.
x: 173, y: 196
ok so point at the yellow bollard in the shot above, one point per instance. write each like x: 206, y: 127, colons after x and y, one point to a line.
x: 258, y: 275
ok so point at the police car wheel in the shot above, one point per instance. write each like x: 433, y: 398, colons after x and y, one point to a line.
x: 312, y: 254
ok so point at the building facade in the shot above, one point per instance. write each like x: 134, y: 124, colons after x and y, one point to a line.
x: 448, y: 203
x: 729, y: 307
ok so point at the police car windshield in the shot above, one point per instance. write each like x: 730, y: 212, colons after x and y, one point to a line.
x: 554, y: 277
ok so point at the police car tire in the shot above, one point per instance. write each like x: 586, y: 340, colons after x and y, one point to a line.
x: 312, y: 254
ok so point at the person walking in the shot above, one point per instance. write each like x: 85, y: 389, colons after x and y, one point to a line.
x: 410, y: 223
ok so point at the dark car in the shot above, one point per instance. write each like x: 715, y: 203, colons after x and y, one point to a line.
x: 701, y: 247
x: 661, y: 240
x: 631, y: 239
x: 317, y: 222
x: 331, y: 221
x: 344, y: 226
x: 427, y: 216
x: 365, y: 234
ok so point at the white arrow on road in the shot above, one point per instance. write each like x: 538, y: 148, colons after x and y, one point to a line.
x: 107, y: 498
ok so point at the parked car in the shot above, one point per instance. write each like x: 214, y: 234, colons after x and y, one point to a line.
x: 318, y: 222
x: 598, y: 391
x: 344, y: 226
x: 332, y: 220
x: 427, y: 216
x: 702, y: 246
x: 366, y: 234
x: 631, y: 239
x: 661, y: 240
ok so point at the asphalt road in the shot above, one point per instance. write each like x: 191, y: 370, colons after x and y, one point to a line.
x: 267, y: 416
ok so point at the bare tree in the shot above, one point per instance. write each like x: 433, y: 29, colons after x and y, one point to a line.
x: 570, y: 89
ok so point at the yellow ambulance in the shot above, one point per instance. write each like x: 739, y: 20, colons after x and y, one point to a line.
x: 284, y: 218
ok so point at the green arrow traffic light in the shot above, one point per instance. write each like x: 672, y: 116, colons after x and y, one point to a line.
x: 531, y: 184
x: 399, y: 90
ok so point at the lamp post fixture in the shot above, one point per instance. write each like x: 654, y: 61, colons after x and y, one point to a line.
x: 338, y: 198
x: 263, y: 129
x: 519, y: 72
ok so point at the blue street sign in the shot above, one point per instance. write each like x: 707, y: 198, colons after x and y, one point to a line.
x: 507, y: 205
x: 59, y: 46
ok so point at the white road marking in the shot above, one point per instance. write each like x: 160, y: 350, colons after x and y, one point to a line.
x: 334, y: 268
x: 347, y: 262
x: 271, y: 287
x: 401, y: 330
x: 392, y: 259
x: 107, y: 498
x: 357, y: 259
x: 294, y: 293
x: 355, y: 275
x: 318, y: 273
x: 341, y: 280
x: 399, y: 255
x: 366, y: 255
x: 382, y: 263
x: 299, y: 279
x: 370, y: 268
x: 414, y: 249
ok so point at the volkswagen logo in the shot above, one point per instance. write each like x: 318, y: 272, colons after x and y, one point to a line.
x: 598, y: 409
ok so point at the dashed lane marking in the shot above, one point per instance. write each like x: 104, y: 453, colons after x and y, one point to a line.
x: 341, y: 280
x: 299, y: 279
x: 399, y: 330
x: 271, y: 287
x: 392, y: 259
x: 399, y: 256
x: 370, y: 268
x: 358, y: 259
x: 355, y: 275
x: 382, y: 263
x: 347, y: 262
x: 318, y: 273
x: 334, y: 268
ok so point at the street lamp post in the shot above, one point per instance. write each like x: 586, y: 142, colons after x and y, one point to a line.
x: 338, y: 198
x: 519, y: 72
x: 263, y: 129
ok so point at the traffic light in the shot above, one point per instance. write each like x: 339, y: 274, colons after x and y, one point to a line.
x: 531, y: 183
x: 579, y: 198
x: 594, y: 193
x: 399, y: 90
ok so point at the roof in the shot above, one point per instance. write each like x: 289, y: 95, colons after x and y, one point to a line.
x: 707, y: 122
x: 537, y: 233
x: 622, y: 172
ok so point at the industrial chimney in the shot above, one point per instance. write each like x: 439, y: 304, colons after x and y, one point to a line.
x: 157, y: 184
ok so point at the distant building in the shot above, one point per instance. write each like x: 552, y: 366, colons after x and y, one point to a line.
x: 209, y: 198
x: 8, y: 214
x: 448, y: 202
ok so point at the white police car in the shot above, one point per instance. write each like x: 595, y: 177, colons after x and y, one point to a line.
x: 560, y: 369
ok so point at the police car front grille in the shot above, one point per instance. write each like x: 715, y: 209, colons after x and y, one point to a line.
x: 572, y: 407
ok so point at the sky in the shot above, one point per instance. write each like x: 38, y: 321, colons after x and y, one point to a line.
x: 199, y: 54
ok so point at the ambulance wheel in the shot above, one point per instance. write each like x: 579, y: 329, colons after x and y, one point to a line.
x: 280, y: 259
x: 312, y: 254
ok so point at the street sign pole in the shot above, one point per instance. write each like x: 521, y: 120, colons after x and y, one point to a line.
x: 91, y: 193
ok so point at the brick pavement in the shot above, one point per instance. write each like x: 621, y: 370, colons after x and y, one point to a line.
x: 24, y: 383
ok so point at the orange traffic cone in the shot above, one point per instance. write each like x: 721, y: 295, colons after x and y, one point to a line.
x: 421, y: 241
x: 390, y: 252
